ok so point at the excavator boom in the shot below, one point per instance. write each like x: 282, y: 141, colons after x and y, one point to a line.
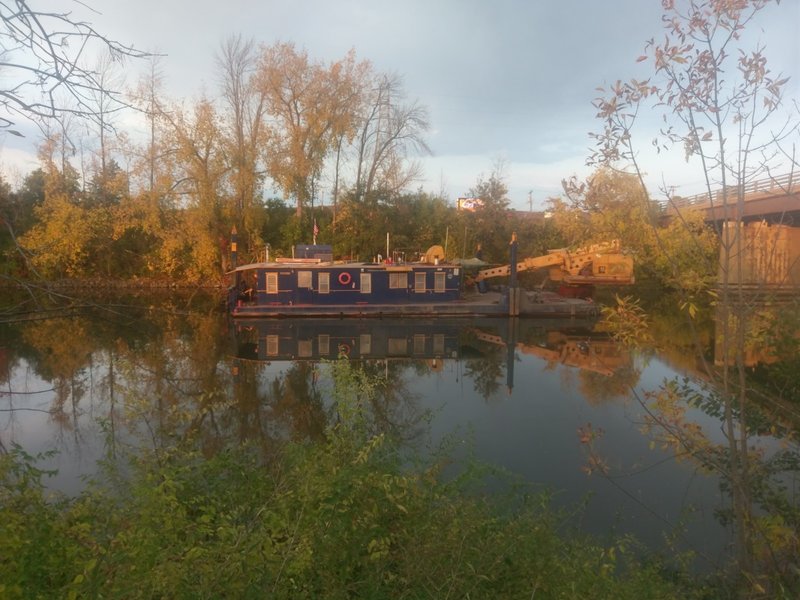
x: 597, y: 264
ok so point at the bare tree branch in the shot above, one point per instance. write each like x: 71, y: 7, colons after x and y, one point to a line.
x: 43, y: 56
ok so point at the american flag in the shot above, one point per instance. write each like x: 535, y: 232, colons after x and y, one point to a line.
x: 316, y: 231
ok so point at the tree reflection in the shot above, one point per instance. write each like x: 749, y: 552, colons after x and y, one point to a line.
x: 599, y: 388
x: 754, y: 450
x: 395, y: 406
x: 297, y: 402
x: 487, y: 373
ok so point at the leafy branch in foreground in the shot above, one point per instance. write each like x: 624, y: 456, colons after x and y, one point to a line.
x: 628, y: 323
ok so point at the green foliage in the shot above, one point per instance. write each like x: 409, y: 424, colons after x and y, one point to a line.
x: 414, y: 222
x: 628, y: 323
x: 40, y: 544
x: 347, y: 517
x: 491, y: 223
x: 612, y: 205
x: 679, y: 253
x: 781, y: 369
x: 686, y: 254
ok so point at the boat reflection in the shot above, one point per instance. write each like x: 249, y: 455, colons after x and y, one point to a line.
x: 569, y: 342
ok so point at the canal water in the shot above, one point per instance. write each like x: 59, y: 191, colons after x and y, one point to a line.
x: 556, y: 403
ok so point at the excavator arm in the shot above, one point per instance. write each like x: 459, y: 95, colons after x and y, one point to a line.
x: 526, y: 264
x: 597, y: 264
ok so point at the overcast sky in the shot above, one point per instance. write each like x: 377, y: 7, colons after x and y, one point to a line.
x: 503, y: 79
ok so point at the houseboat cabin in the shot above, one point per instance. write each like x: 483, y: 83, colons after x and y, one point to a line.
x: 316, y: 286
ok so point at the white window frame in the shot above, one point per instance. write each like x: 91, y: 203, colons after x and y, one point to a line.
x: 324, y: 282
x: 304, y: 279
x: 272, y: 283
x: 398, y: 281
x: 420, y: 281
x: 366, y: 283
x: 440, y: 282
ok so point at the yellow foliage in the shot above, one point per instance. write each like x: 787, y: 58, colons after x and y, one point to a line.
x: 58, y: 242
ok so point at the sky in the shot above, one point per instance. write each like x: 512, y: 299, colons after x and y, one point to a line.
x: 505, y: 81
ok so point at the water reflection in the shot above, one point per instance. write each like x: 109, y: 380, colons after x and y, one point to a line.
x: 488, y: 346
x: 523, y: 391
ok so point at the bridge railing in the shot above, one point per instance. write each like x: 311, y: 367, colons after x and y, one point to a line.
x: 781, y: 183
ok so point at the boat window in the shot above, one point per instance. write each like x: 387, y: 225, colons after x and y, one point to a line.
x: 438, y: 344
x: 324, y: 344
x: 419, y: 343
x: 365, y: 344
x: 304, y: 279
x: 398, y: 280
x: 419, y: 282
x: 304, y: 348
x: 438, y: 282
x: 366, y: 283
x: 272, y: 345
x: 272, y: 283
x: 397, y: 347
x: 324, y: 283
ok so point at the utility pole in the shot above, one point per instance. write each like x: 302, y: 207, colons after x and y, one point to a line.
x: 530, y: 201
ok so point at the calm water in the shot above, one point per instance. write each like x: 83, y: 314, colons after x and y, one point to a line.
x: 555, y: 402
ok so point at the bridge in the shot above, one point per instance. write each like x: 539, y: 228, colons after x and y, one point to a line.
x: 775, y: 200
x: 769, y: 230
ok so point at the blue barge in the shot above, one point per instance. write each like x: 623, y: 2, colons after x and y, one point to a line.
x: 321, y: 287
x: 314, y: 287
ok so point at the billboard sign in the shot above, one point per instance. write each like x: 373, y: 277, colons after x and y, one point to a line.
x: 470, y: 204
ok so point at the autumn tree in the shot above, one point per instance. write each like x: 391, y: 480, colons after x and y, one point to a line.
x: 310, y: 107
x: 243, y: 132
x: 153, y: 216
x: 723, y: 109
x: 51, y: 82
x: 57, y: 244
x: 198, y: 244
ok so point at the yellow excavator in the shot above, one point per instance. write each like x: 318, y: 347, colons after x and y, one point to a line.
x: 602, y: 264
